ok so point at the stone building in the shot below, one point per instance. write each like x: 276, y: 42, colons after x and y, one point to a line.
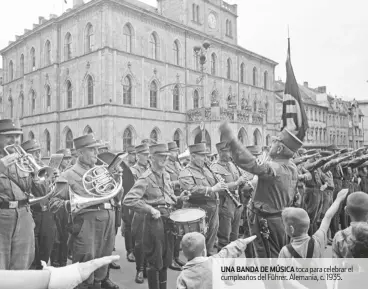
x: 127, y: 71
x: 363, y: 105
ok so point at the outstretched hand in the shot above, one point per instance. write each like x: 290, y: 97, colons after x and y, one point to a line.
x: 226, y: 132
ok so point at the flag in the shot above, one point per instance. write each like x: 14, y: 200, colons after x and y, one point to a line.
x: 293, y: 116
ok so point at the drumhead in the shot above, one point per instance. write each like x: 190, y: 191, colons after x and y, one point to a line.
x: 187, y: 215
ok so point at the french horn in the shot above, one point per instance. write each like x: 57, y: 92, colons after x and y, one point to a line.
x: 100, y: 183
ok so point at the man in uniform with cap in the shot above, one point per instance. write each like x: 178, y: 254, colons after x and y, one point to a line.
x: 92, y: 229
x: 45, y: 228
x: 229, y: 212
x: 59, y: 254
x: 135, y: 231
x: 199, y: 180
x: 131, y: 158
x: 275, y: 190
x: 173, y: 167
x: 17, y: 240
x: 153, y: 196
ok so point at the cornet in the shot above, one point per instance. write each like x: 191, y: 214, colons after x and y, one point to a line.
x: 26, y: 163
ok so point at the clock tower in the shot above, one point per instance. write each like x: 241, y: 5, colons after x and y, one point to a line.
x: 213, y: 17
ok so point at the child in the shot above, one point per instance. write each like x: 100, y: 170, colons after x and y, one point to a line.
x: 357, y: 209
x: 197, y: 272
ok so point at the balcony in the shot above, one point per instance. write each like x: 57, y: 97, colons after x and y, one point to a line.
x: 220, y: 114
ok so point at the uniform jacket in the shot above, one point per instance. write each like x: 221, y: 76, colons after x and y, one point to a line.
x: 197, y: 181
x: 228, y: 172
x: 71, y: 178
x: 277, y: 179
x: 146, y: 193
x: 138, y: 170
x: 173, y: 168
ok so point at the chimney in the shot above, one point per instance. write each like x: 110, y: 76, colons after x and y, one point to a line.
x: 77, y: 3
x: 41, y: 20
x: 53, y: 16
x: 305, y: 84
x: 321, y: 89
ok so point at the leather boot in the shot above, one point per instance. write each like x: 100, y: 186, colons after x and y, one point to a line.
x: 107, y: 283
x: 114, y: 265
x: 153, y: 278
x: 130, y: 257
x: 163, y: 278
x: 139, y: 278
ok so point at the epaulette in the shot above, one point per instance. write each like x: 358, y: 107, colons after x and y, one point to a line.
x: 185, y: 173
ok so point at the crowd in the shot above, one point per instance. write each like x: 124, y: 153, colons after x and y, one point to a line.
x: 285, y: 201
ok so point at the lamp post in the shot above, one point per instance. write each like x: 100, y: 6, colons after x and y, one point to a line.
x: 201, y: 52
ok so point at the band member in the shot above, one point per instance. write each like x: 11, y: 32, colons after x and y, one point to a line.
x: 45, y: 228
x: 201, y: 183
x: 74, y: 157
x: 17, y: 240
x: 229, y: 212
x: 138, y: 218
x: 173, y: 167
x: 59, y: 254
x: 276, y: 188
x: 92, y: 229
x: 153, y: 196
x: 103, y: 148
x: 131, y: 158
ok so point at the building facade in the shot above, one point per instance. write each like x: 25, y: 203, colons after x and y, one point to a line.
x: 127, y: 71
x: 363, y: 105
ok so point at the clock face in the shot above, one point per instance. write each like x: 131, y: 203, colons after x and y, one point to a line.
x: 212, y: 21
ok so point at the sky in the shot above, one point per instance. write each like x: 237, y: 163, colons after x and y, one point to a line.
x: 329, y: 38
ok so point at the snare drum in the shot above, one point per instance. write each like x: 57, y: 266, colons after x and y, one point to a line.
x: 188, y: 220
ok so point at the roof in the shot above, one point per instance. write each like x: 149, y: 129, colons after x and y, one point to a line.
x: 307, y: 95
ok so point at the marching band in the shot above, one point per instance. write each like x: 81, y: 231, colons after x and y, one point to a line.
x: 75, y: 207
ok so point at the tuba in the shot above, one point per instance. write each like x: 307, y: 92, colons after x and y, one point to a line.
x: 100, y: 185
x: 26, y: 163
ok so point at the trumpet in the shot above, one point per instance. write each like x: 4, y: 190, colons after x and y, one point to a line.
x: 100, y: 184
x: 26, y: 163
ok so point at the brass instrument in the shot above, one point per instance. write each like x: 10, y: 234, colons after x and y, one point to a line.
x: 100, y: 184
x: 26, y: 163
x: 219, y: 179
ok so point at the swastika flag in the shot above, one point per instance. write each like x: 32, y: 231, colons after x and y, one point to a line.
x: 293, y: 116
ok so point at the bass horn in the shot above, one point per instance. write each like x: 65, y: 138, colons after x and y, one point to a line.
x: 101, y: 183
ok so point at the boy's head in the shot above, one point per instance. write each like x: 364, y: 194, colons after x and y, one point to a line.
x: 357, y: 206
x: 193, y: 245
x: 296, y: 221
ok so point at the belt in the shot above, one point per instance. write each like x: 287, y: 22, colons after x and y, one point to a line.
x: 161, y: 206
x: 104, y: 206
x: 13, y: 204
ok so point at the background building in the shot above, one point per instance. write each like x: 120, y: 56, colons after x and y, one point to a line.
x: 363, y: 105
x: 127, y: 71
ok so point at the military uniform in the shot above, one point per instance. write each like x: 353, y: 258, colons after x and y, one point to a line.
x: 17, y: 242
x: 92, y: 229
x: 199, y: 181
x: 138, y: 221
x: 229, y: 213
x: 275, y: 191
x: 154, y: 191
x: 338, y: 176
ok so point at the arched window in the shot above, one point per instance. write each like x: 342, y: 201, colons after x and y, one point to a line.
x: 227, y: 26
x: 47, y: 142
x: 196, y: 60
x: 154, y: 46
x: 68, y: 46
x: 255, y: 105
x: 176, y: 98
x: 265, y: 79
x: 127, y: 91
x: 257, y: 139
x: 90, y: 89
x: 228, y: 68
x: 196, y: 99
x: 193, y: 12
x: 47, y: 53
x: 230, y: 29
x: 153, y: 95
x: 242, y: 73
x: 11, y: 70
x: 89, y: 38
x: 242, y: 136
x: 33, y: 99
x: 69, y: 139
x: 21, y: 98
x: 177, y: 138
x: 213, y: 63
x: 22, y: 65
x: 254, y: 76
x: 154, y: 135
x: 127, y: 138
x: 33, y: 59
x: 48, y: 96
x: 87, y: 130
x: 176, y: 49
x: 31, y: 135
x: 197, y: 14
x: 69, y: 94
x: 128, y: 37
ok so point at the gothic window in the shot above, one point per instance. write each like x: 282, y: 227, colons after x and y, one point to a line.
x: 89, y: 38
x: 31, y: 135
x: 21, y: 97
x: 228, y: 68
x: 33, y: 59
x: 177, y: 138
x: 48, y: 142
x: 48, y: 96
x: 196, y: 60
x: 69, y: 139
x: 153, y: 95
x: 265, y: 79
x: 127, y: 138
x: 176, y: 98
x: 22, y: 65
x: 176, y: 51
x: 242, y: 73
x: 154, y: 46
x: 11, y: 107
x: 47, y: 53
x: 254, y: 76
x: 90, y: 89
x: 196, y: 99
x: 33, y: 99
x: 127, y: 91
x: 11, y: 72
x: 69, y: 94
x: 128, y: 37
x: 68, y: 46
x: 154, y: 135
x: 213, y: 63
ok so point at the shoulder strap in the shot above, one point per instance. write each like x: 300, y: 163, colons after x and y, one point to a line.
x: 292, y: 251
x: 310, y: 248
